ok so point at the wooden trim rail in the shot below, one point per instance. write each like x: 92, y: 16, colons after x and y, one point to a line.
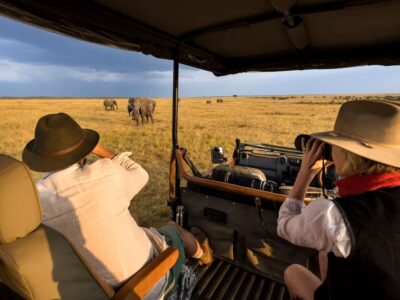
x: 147, y: 277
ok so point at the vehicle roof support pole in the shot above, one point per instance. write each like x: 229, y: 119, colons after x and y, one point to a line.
x: 175, y: 96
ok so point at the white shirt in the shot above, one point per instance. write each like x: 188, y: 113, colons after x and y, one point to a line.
x: 318, y: 225
x: 89, y: 205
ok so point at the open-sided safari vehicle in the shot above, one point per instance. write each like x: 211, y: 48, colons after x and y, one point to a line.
x: 237, y: 205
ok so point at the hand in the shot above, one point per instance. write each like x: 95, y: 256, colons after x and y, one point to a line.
x: 312, y: 159
x: 311, y: 164
x: 102, y: 152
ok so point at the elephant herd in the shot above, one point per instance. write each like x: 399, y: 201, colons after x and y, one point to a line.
x: 219, y: 100
x: 137, y: 108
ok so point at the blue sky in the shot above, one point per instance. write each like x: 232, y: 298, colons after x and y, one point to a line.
x: 35, y: 62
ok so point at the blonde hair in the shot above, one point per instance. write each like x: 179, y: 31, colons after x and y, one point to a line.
x: 358, y: 165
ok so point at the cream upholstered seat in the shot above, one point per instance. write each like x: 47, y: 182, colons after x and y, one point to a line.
x: 37, y: 262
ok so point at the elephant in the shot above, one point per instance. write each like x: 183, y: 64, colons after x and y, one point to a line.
x: 208, y: 101
x: 141, y: 106
x: 219, y: 100
x: 110, y: 104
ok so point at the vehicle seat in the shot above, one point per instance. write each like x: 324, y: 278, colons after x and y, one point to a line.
x: 37, y: 262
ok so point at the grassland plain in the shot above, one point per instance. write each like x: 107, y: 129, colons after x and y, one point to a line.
x: 201, y: 126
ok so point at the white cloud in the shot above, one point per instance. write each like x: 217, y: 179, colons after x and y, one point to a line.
x: 199, y: 82
x: 14, y: 46
x: 4, y: 43
x: 93, y: 75
x: 195, y: 75
x: 200, y: 76
x: 11, y: 71
x: 157, y: 77
x: 19, y: 72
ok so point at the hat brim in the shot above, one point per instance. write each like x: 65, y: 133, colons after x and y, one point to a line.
x: 383, y: 154
x: 40, y: 163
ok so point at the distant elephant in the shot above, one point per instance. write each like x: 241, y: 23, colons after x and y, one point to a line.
x: 219, y: 100
x: 208, y: 101
x: 110, y: 104
x: 141, y: 106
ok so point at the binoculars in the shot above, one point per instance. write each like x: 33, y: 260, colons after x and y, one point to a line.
x: 327, y: 152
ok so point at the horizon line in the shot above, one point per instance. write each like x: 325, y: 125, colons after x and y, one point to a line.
x: 234, y: 95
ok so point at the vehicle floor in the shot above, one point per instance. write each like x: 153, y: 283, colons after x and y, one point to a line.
x: 223, y: 280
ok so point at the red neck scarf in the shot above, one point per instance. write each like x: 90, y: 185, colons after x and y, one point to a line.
x: 358, y: 184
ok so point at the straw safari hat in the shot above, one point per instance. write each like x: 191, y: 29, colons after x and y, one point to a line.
x: 370, y: 129
x: 59, y: 142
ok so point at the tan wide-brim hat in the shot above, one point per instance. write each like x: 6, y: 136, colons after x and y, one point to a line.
x: 370, y: 129
x: 59, y: 143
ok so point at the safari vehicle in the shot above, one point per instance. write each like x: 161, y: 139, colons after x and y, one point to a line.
x: 228, y: 37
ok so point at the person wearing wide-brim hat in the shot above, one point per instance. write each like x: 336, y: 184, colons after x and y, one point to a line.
x: 89, y: 203
x: 59, y: 143
x: 358, y: 233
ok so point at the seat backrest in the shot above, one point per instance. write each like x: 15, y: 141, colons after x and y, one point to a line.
x: 35, y: 261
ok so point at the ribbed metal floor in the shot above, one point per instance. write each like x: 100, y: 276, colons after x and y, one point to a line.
x: 222, y: 280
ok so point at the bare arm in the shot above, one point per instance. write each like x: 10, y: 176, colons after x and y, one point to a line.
x: 102, y: 152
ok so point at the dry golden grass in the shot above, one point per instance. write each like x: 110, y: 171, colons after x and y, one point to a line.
x: 201, y: 126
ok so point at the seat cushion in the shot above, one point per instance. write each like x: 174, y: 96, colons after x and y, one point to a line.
x: 19, y: 202
x: 43, y: 265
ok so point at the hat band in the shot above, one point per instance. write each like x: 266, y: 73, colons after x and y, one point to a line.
x: 60, y: 152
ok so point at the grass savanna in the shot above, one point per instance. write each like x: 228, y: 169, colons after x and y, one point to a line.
x: 272, y: 120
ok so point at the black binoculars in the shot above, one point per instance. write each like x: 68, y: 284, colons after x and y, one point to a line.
x: 327, y: 152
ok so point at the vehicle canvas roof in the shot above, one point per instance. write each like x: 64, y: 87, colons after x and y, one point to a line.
x: 227, y: 37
